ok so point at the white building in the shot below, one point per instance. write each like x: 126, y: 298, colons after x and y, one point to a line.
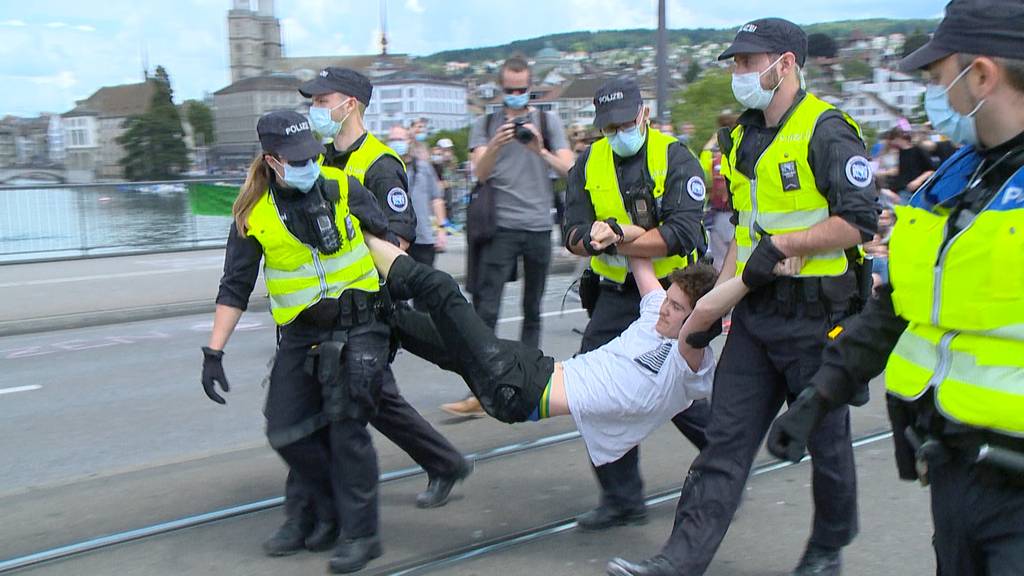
x: 870, y: 111
x: 401, y: 99
x: 55, y: 139
x: 897, y: 90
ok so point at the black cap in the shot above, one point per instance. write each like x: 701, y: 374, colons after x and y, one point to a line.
x: 769, y: 35
x: 288, y: 135
x: 983, y: 27
x: 343, y: 80
x: 617, y: 101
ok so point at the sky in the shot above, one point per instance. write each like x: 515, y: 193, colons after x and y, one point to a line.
x: 56, y: 52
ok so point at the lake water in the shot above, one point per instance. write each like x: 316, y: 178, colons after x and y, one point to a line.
x: 73, y: 221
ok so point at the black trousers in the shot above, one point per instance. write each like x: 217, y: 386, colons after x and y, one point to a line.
x: 423, y: 253
x: 497, y: 263
x: 400, y: 423
x: 622, y: 488
x: 979, y: 521
x: 507, y: 377
x: 768, y: 359
x: 334, y: 458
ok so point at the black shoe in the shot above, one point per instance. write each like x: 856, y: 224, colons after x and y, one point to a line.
x: 603, y: 517
x: 354, y: 555
x: 657, y: 566
x: 439, y: 488
x: 289, y: 538
x: 819, y: 561
x: 323, y: 536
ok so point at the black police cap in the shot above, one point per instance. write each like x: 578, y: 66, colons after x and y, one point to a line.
x: 287, y: 134
x: 617, y: 101
x: 343, y: 80
x: 769, y: 35
x: 982, y: 27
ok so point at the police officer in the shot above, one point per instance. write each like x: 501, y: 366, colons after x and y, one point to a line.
x: 340, y: 97
x: 947, y: 329
x: 632, y: 175
x: 800, y: 186
x: 332, y: 348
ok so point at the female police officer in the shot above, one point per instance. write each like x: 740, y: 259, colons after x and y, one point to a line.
x: 332, y: 348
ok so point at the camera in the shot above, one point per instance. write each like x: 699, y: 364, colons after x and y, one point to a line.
x: 523, y: 134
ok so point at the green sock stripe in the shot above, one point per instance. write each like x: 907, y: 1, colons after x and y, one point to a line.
x: 545, y: 401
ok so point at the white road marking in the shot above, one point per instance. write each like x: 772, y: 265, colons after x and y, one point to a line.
x: 544, y: 315
x: 28, y: 388
x: 101, y: 277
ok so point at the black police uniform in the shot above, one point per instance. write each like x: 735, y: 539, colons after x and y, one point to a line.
x: 396, y: 418
x: 297, y: 426
x: 978, y: 510
x: 618, y: 306
x: 774, y: 346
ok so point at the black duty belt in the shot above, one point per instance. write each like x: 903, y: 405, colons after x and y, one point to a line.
x: 351, y: 308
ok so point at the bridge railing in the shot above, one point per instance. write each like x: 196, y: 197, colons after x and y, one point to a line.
x: 45, y: 221
x: 58, y: 221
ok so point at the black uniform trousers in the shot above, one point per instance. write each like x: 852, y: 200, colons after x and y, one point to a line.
x: 622, y: 488
x: 333, y: 457
x: 770, y: 354
x: 497, y: 263
x: 979, y: 520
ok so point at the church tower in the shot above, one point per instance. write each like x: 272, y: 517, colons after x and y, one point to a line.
x: 254, y: 38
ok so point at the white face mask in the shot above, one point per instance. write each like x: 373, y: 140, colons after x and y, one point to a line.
x: 747, y: 90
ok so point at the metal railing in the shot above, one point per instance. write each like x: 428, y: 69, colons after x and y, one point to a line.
x: 58, y: 221
x: 68, y: 221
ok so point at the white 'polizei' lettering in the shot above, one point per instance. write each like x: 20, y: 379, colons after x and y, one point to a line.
x: 296, y: 128
x: 749, y: 28
x: 606, y: 98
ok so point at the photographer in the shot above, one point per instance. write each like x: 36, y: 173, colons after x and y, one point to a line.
x: 513, y: 152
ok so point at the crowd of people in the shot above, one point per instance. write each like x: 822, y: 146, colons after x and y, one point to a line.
x: 774, y: 221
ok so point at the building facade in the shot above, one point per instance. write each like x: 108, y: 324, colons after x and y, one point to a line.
x: 254, y: 38
x: 237, y: 108
x: 399, y: 101
x: 92, y: 127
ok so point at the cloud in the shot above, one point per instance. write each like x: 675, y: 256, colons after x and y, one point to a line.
x: 12, y: 23
x: 85, y: 28
x: 414, y: 6
x: 56, y: 24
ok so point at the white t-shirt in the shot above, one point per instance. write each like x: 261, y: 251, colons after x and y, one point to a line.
x: 624, y: 390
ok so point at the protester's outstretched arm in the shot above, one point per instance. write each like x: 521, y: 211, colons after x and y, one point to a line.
x: 384, y: 253
x: 643, y: 272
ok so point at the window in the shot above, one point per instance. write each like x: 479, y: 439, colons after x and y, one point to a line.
x: 391, y: 93
x: 410, y: 92
x: 392, y: 108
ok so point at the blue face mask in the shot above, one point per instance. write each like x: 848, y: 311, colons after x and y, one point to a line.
x: 421, y: 137
x: 517, y: 101
x: 303, y: 177
x: 957, y: 127
x: 322, y: 123
x: 399, y: 146
x: 626, y: 143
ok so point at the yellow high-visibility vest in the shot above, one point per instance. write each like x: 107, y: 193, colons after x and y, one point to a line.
x: 298, y: 275
x: 964, y: 301
x: 603, y: 186
x: 764, y: 205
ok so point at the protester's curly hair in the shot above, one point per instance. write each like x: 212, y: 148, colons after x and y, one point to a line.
x: 695, y: 280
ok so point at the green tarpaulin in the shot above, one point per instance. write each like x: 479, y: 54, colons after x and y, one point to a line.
x: 212, y: 199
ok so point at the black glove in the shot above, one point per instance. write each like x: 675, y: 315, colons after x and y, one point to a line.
x: 790, y: 432
x: 213, y: 373
x: 760, y: 268
x: 702, y: 339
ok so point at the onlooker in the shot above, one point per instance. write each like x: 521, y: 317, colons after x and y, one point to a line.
x: 914, y: 166
x: 442, y: 157
x: 514, y: 160
x: 426, y: 196
x: 720, y: 228
x: 686, y: 130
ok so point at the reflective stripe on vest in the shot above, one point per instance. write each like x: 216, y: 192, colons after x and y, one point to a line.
x: 360, y: 160
x: 964, y: 301
x: 298, y: 275
x: 762, y: 203
x: 603, y: 186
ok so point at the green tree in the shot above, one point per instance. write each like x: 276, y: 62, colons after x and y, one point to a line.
x: 693, y: 72
x: 459, y: 138
x: 914, y: 41
x: 821, y: 46
x: 700, y: 103
x: 154, y: 141
x: 857, y: 70
x: 200, y: 117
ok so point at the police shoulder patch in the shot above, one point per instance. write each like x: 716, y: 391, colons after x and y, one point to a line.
x: 858, y: 171
x: 695, y: 188
x: 398, y: 200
